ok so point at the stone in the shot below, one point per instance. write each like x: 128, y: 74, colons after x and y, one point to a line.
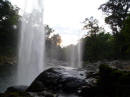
x: 17, y: 89
x: 64, y: 79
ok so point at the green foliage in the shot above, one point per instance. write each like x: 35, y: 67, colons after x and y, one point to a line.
x: 48, y: 31
x: 91, y: 25
x: 114, y: 82
x: 126, y: 34
x: 117, y: 11
x: 8, y: 28
x: 122, y: 41
x: 98, y: 48
x: 53, y: 41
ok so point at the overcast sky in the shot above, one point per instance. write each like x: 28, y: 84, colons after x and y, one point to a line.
x: 66, y: 16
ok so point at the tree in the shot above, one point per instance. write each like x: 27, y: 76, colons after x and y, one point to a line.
x: 126, y: 38
x: 91, y: 25
x: 97, y: 48
x: 117, y: 11
x: 48, y: 31
x: 97, y: 43
x: 53, y: 41
x: 8, y: 27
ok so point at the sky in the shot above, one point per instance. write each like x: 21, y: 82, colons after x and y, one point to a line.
x: 66, y: 16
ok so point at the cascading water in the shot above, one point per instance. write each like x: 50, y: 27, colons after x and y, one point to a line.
x: 79, y: 54
x: 31, y: 46
x: 75, y: 56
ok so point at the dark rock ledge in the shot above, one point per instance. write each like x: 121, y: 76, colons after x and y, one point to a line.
x: 107, y: 82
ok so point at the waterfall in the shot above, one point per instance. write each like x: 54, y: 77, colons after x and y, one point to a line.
x: 72, y: 57
x: 31, y: 43
x: 76, y: 56
x: 79, y: 54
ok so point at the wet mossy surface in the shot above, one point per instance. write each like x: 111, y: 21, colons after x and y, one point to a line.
x: 114, y: 82
x: 111, y: 82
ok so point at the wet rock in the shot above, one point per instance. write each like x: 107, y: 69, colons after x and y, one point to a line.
x: 17, y: 89
x: 111, y: 82
x: 16, y: 94
x: 43, y: 94
x: 63, y: 79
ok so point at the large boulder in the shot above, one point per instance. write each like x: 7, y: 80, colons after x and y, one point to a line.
x: 62, y: 79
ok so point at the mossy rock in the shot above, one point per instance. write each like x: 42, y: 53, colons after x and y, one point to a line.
x: 111, y: 82
x: 15, y: 94
x: 114, y: 82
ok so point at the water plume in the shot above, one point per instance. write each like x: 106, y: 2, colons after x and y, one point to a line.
x: 31, y: 43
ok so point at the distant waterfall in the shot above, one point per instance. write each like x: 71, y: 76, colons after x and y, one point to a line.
x: 79, y: 54
x: 31, y: 43
x: 76, y: 56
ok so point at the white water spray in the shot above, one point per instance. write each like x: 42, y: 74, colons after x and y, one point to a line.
x: 31, y: 46
x: 76, y: 56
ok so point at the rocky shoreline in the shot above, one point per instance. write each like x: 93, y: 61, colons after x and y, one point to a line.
x: 107, y: 82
